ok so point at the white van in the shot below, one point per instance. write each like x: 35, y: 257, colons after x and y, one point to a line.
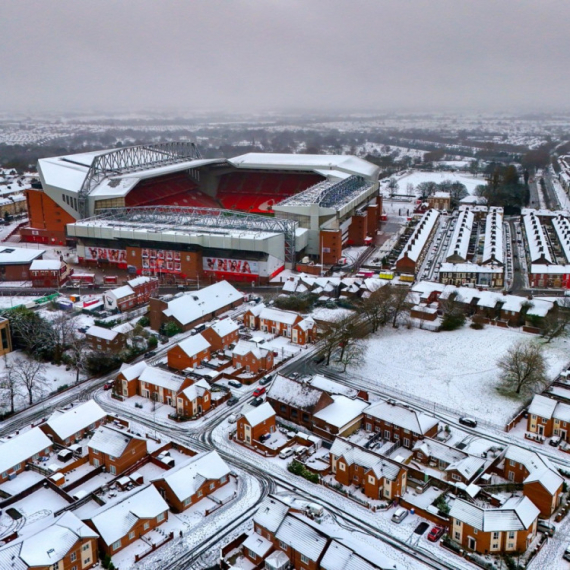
x: 287, y: 452
x: 399, y: 515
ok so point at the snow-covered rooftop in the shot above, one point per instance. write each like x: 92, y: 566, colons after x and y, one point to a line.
x: 197, y: 304
x: 342, y: 411
x: 257, y: 415
x: 121, y: 292
x: 278, y: 315
x: 407, y: 418
x: 493, y: 246
x: 101, y: 332
x: 114, y: 520
x: 78, y: 418
x: 536, y: 239
x: 19, y: 255
x: 418, y: 240
x: 225, y: 327
x: 110, y: 440
x: 194, y: 345
x: 22, y: 447
x: 294, y: 393
x: 459, y: 242
x: 45, y: 265
x: 162, y: 378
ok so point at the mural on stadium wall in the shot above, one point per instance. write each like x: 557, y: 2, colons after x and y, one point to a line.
x: 161, y: 260
x: 234, y: 266
x: 106, y: 254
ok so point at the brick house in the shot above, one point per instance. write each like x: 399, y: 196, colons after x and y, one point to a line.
x: 65, y: 544
x: 195, y: 307
x: 135, y: 293
x: 304, y: 331
x: 127, y: 381
x: 256, y: 422
x: 124, y: 520
x: 507, y: 529
x: 188, y: 483
x: 455, y: 465
x: 159, y: 385
x: 252, y: 356
x: 221, y: 334
x: 541, y: 482
x: 251, y: 316
x: 378, y: 476
x: 49, y: 273
x: 105, y: 340
x: 189, y: 353
x: 115, y: 449
x: 194, y: 399
x: 399, y: 423
x: 5, y: 336
x: 296, y: 401
x: 340, y: 418
x: 414, y: 251
x: 277, y: 321
x: 19, y: 450
x: 65, y: 428
x: 548, y: 418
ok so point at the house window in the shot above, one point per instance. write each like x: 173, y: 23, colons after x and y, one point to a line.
x: 495, y: 536
x: 512, y: 463
x: 252, y: 554
x: 371, y: 480
x: 457, y: 535
x: 86, y: 546
x: 455, y: 477
x: 73, y: 557
x: 131, y: 535
x: 223, y: 479
x: 17, y: 467
x: 199, y: 493
x: 510, y: 545
x: 187, y: 501
x: 146, y: 525
x: 386, y: 434
x: 342, y: 466
x: 282, y: 545
x: 117, y: 545
x: 212, y: 486
x: 160, y: 517
x: 475, y: 531
x: 304, y: 559
x: 511, y: 535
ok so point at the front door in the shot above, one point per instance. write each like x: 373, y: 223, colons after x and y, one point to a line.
x: 295, y: 336
x: 540, y: 430
x: 471, y: 543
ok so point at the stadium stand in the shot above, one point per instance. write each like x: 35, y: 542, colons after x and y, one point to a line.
x: 171, y: 190
x: 257, y: 192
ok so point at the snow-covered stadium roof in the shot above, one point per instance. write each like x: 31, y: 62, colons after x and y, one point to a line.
x: 322, y: 163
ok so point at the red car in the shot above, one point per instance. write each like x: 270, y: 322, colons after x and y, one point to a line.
x: 259, y: 391
x: 435, y: 533
x: 108, y: 386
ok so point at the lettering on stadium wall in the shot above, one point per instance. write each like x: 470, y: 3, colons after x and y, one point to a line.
x: 234, y: 266
x: 161, y: 260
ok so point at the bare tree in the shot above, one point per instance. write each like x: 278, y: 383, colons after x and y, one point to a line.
x: 353, y: 354
x: 523, y: 368
x: 341, y: 333
x: 9, y: 386
x: 63, y: 328
x: 29, y: 374
x: 376, y: 309
x: 398, y: 299
x: 77, y: 348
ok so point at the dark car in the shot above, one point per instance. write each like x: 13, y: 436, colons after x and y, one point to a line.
x: 235, y: 384
x: 469, y: 422
x: 233, y: 400
x: 435, y: 533
x: 150, y: 353
x: 257, y: 402
x: 108, y: 386
x: 265, y: 380
x: 264, y: 437
x: 320, y: 359
x: 259, y: 391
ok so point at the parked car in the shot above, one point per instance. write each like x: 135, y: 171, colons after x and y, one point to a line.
x: 287, y: 452
x: 294, y: 375
x: 257, y: 402
x: 320, y: 359
x: 108, y: 386
x: 235, y: 384
x: 259, y: 391
x: 545, y: 526
x: 150, y: 353
x: 469, y: 422
x: 566, y: 554
x: 264, y: 437
x: 435, y: 533
x: 233, y: 400
x: 399, y: 515
x: 555, y: 441
x: 232, y: 419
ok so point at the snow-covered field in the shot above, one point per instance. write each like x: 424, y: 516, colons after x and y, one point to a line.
x: 456, y: 369
x: 417, y: 177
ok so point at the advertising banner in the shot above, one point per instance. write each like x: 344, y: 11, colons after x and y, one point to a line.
x: 233, y: 266
x: 106, y: 254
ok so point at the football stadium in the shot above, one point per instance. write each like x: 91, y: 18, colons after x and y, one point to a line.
x: 163, y: 209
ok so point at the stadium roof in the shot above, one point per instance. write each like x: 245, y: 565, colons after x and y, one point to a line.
x: 320, y: 163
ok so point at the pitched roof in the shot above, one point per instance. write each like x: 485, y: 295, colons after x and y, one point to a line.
x: 294, y: 393
x: 196, y: 390
x: 225, y: 327
x: 111, y: 441
x: 115, y: 519
x: 197, y: 304
x: 540, y: 469
x: 185, y: 479
x: 45, y: 265
x: 342, y: 411
x: 257, y: 415
x: 193, y: 345
x: 404, y: 417
x: 542, y: 406
x: 132, y: 371
x: 270, y: 514
x: 279, y: 316
x: 467, y: 467
x: 101, y: 332
x: 162, y: 378
x: 80, y: 417
x: 22, y: 447
x: 121, y: 292
x: 517, y: 513
x: 302, y: 537
x: 244, y: 347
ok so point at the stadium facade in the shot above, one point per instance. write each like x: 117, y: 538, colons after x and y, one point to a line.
x: 162, y: 208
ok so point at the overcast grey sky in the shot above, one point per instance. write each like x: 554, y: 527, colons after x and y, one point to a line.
x: 251, y: 55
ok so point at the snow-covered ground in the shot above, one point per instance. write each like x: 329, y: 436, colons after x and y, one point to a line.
x: 416, y: 177
x: 457, y: 369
